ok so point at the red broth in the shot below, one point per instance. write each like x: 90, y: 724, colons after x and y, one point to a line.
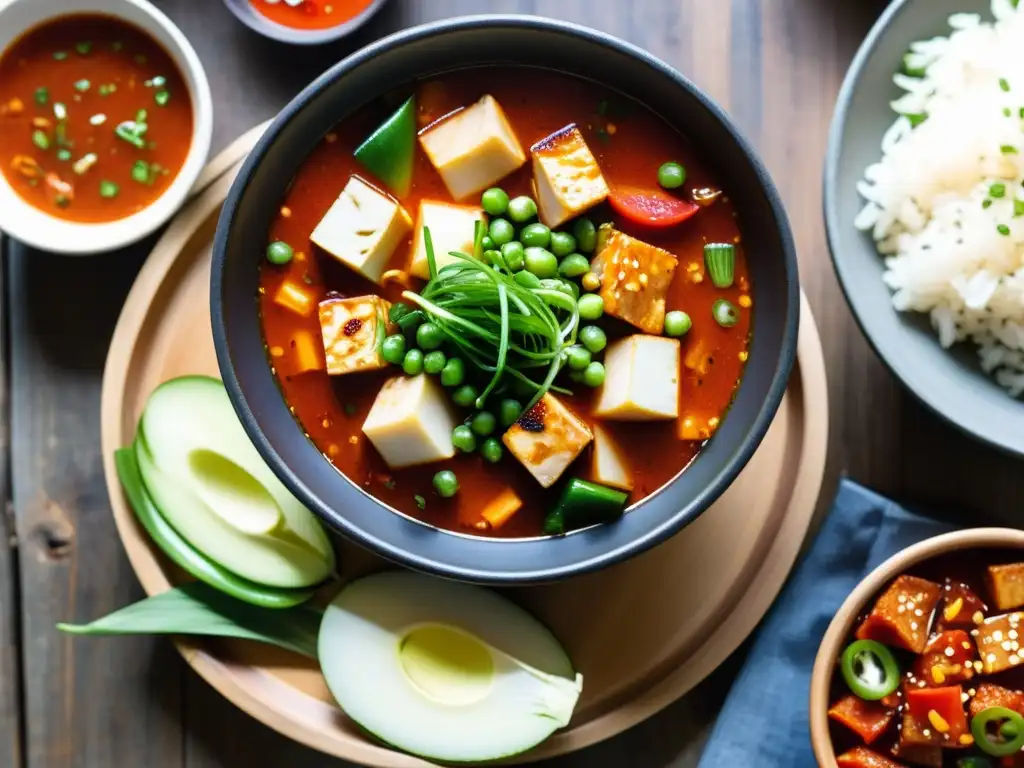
x: 968, y: 569
x: 630, y: 143
x: 311, y: 14
x: 95, y: 118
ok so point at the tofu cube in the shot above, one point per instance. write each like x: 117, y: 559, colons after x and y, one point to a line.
x: 611, y: 467
x: 635, y: 278
x: 295, y: 298
x: 411, y: 422
x: 451, y: 229
x: 362, y: 228
x: 474, y: 148
x: 902, y: 615
x: 641, y: 379
x: 547, y: 439
x: 998, y: 640
x: 567, y: 176
x: 351, y: 330
x: 1006, y: 585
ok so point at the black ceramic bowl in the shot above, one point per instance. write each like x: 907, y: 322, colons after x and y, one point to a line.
x: 422, y: 52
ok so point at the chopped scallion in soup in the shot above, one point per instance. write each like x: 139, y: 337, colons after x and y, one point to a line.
x: 507, y: 302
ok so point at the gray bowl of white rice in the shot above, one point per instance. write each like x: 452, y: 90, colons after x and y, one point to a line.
x: 924, y: 206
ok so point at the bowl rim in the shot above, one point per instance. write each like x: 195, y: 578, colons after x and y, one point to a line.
x: 870, y: 585
x: 73, y: 238
x: 256, y: 21
x: 830, y: 186
x: 523, y: 575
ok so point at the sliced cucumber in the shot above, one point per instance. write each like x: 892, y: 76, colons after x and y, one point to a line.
x: 446, y: 671
x: 389, y: 151
x: 209, y: 482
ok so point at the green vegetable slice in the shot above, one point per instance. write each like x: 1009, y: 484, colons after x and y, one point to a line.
x: 584, y: 504
x: 199, y: 609
x: 720, y: 260
x: 184, y: 555
x: 389, y: 151
x: 869, y: 669
x: 1004, y: 737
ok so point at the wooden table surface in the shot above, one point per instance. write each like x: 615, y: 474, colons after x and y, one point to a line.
x: 133, y: 703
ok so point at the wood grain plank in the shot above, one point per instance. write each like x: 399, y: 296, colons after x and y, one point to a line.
x: 10, y: 661
x: 88, y: 702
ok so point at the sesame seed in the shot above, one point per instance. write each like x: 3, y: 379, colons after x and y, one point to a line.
x: 966, y: 645
x: 1014, y: 659
x: 913, y: 625
x: 901, y: 599
x: 901, y: 609
x: 978, y: 617
x: 286, y: 212
x: 997, y: 636
x: 919, y: 612
x: 354, y: 439
x: 1005, y: 645
x: 949, y: 652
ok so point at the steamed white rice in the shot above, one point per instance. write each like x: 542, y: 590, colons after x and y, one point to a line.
x: 946, y: 202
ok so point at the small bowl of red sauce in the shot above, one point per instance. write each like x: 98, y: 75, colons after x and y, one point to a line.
x: 105, y: 122
x: 923, y: 665
x: 304, y: 22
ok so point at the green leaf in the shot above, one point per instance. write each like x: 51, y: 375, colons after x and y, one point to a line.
x: 199, y: 609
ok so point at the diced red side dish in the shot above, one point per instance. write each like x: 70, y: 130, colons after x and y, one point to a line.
x: 927, y: 757
x: 862, y: 757
x: 1006, y: 583
x: 948, y: 658
x: 902, y: 615
x: 868, y: 719
x: 934, y: 717
x: 999, y: 642
x: 960, y: 605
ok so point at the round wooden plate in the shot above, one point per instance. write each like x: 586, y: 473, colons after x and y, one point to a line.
x: 643, y: 633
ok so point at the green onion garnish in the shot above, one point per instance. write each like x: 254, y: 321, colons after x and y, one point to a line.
x: 107, y: 89
x: 1018, y: 208
x: 720, y: 260
x: 157, y: 82
x: 82, y: 85
x: 98, y: 119
x: 42, y: 95
x: 109, y: 189
x: 987, y: 202
x: 141, y: 172
x: 40, y: 139
x: 84, y: 47
x: 131, y: 132
x: 161, y: 98
x: 997, y: 190
x: 84, y: 163
x: 725, y: 313
x: 1008, y: 149
x: 1004, y: 84
x: 916, y: 118
x: 61, y: 200
x: 1007, y: 112
x: 60, y: 55
x: 507, y: 330
x: 420, y: 501
x: 60, y: 111
x: 63, y: 154
x: 1003, y: 230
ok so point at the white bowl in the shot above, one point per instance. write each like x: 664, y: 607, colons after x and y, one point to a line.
x: 34, y: 227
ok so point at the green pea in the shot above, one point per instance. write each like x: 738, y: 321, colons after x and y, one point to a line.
x: 578, y: 357
x: 574, y: 265
x: 586, y: 235
x: 501, y: 232
x: 434, y: 362
x: 541, y: 262
x: 429, y: 336
x: 446, y: 484
x: 279, y: 252
x: 593, y: 338
x: 412, y: 364
x: 465, y: 396
x: 463, y: 439
x: 509, y: 411
x: 671, y: 175
x: 535, y: 235
x: 393, y: 349
x: 483, y: 423
x: 454, y: 372
x: 591, y: 306
x: 514, y: 255
x: 593, y: 375
x: 527, y: 279
x: 491, y: 450
x: 521, y: 209
x: 562, y: 244
x: 487, y: 244
x: 494, y: 201
x: 677, y: 323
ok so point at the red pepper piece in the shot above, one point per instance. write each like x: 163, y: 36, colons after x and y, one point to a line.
x: 650, y: 207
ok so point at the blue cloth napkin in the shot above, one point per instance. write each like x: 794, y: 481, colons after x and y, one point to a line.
x: 862, y: 530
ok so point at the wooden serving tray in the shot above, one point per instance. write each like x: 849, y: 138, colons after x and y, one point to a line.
x: 643, y: 633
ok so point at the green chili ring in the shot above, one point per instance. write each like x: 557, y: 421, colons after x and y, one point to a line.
x: 856, y: 659
x: 984, y: 739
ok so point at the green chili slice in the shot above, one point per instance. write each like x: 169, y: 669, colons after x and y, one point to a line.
x: 994, y: 741
x: 870, y: 669
x: 720, y: 259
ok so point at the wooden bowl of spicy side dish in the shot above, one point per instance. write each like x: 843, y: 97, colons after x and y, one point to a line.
x: 105, y: 122
x: 923, y: 665
x: 469, y: 297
